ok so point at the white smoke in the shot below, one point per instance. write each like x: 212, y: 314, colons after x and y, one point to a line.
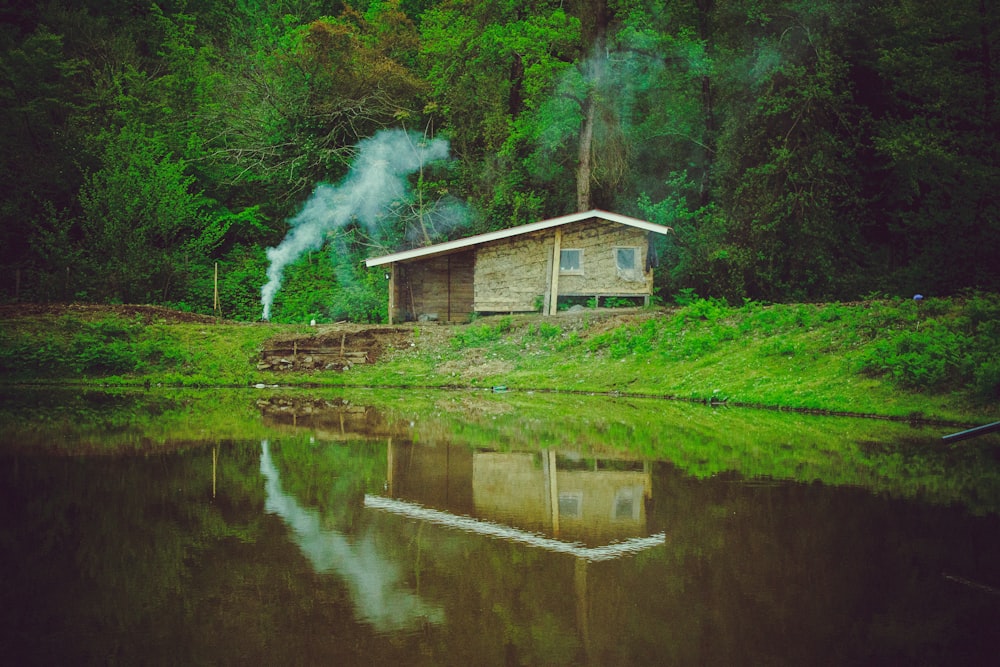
x: 376, y: 179
x: 376, y: 583
x: 438, y: 221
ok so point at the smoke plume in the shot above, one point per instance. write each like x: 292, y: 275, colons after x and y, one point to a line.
x: 376, y: 180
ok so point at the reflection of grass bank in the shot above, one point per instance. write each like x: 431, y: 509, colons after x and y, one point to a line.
x: 878, y: 455
x: 112, y: 421
x: 891, y: 358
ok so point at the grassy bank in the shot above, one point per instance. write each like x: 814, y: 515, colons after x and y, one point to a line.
x: 937, y: 359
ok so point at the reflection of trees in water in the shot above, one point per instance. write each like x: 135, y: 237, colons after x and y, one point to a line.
x: 374, y: 581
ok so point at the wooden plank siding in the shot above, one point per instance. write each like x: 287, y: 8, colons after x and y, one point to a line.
x: 438, y: 288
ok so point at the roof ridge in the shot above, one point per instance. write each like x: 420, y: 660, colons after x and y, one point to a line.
x: 457, y: 244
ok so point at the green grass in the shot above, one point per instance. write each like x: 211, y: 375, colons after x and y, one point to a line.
x: 936, y: 360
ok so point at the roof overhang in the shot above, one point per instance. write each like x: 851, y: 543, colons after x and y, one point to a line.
x: 490, y: 529
x: 459, y: 244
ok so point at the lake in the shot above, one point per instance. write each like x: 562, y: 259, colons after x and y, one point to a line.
x: 360, y: 527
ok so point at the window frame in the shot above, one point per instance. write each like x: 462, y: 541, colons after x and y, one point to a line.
x: 633, y: 274
x: 571, y: 272
x: 570, y: 504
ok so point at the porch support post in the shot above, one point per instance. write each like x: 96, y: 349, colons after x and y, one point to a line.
x: 554, y: 288
x: 392, y: 289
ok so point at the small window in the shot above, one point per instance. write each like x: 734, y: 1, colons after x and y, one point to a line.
x: 571, y: 504
x: 571, y: 261
x: 624, y: 507
x: 627, y: 264
x: 625, y: 259
x: 627, y: 504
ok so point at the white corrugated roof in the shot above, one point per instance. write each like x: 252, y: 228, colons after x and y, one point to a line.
x: 449, y: 246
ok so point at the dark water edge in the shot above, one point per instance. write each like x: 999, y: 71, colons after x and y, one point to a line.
x: 290, y: 532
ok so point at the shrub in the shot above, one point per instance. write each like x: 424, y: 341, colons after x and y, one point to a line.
x: 685, y: 296
x: 704, y: 309
x: 545, y: 331
x: 630, y: 339
x: 621, y: 302
x: 481, y: 335
x: 73, y: 347
x: 986, y: 380
x: 928, y: 359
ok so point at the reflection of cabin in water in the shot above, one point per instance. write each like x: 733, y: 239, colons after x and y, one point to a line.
x: 593, y: 507
x: 592, y: 501
x: 590, y: 255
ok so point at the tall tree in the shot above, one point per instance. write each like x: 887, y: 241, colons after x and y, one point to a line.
x: 290, y: 115
x: 39, y: 99
x: 491, y: 67
x: 938, y: 140
x: 140, y: 217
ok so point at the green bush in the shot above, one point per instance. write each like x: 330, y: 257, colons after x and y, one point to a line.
x: 160, y: 353
x: 72, y: 348
x: 685, y: 296
x: 619, y: 302
x: 986, y: 380
x: 477, y: 336
x: 544, y: 331
x: 704, y: 309
x: 630, y: 339
x: 109, y: 357
x: 932, y: 358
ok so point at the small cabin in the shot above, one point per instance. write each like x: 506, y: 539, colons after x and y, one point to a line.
x: 589, y: 255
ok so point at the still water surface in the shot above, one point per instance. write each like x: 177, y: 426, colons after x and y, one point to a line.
x: 460, y: 531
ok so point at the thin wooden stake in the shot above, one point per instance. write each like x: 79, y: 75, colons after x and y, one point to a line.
x: 215, y: 302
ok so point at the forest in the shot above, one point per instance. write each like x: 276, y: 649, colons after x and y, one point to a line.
x: 188, y: 153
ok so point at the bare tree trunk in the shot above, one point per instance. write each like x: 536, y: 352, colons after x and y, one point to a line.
x: 705, y: 8
x: 595, y: 17
x: 584, y: 171
x: 989, y: 99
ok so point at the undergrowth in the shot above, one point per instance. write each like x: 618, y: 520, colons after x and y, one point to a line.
x: 939, y: 346
x: 73, y: 347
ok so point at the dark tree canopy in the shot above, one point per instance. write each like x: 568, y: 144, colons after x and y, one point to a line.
x: 800, y: 150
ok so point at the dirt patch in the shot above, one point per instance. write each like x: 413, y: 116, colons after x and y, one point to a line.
x: 91, y: 311
x: 475, y: 364
x: 326, y: 416
x: 599, y: 320
x: 334, y: 348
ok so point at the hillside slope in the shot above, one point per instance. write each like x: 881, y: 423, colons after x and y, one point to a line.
x: 936, y: 360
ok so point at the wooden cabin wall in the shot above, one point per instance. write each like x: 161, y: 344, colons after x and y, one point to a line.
x: 598, y: 239
x: 438, y: 288
x: 513, y: 274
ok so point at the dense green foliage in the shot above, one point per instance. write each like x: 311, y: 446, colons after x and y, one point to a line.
x: 71, y: 347
x: 752, y: 351
x: 936, y: 359
x: 800, y: 150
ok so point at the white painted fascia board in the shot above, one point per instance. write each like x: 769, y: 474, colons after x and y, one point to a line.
x: 449, y: 246
x: 490, y: 529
